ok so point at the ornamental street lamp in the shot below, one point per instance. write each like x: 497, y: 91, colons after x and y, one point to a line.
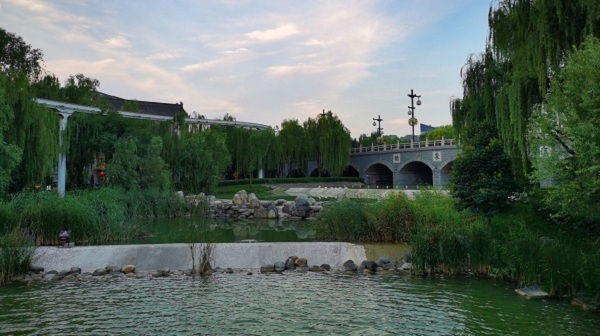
x: 412, y: 121
x: 379, y: 129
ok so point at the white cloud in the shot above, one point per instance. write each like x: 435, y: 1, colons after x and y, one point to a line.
x: 236, y: 51
x: 117, y: 42
x: 201, y: 66
x: 276, y: 34
x: 163, y: 56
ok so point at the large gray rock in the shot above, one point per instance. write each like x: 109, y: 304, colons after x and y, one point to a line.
x: 279, y: 266
x: 243, y: 196
x: 237, y: 200
x: 301, y: 201
x: 253, y: 201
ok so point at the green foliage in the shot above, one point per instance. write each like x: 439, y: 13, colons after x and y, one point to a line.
x: 122, y: 169
x: 15, y: 255
x: 287, y: 180
x: 291, y: 139
x: 389, y: 220
x: 528, y: 44
x: 446, y: 132
x: 565, y: 142
x: 17, y: 57
x: 481, y: 177
x: 328, y: 142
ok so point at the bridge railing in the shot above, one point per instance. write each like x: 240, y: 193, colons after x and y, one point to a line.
x: 407, y: 145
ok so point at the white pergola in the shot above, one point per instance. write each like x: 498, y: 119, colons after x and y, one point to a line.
x: 65, y: 110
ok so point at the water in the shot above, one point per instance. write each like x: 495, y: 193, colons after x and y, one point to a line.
x: 224, y: 231
x: 293, y: 303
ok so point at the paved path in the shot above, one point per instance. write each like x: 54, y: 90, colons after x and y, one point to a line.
x: 178, y: 256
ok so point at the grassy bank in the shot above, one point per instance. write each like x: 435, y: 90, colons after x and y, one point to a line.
x: 519, y: 245
x: 93, y: 216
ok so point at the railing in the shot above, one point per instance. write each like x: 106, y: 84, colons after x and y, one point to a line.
x: 408, y: 145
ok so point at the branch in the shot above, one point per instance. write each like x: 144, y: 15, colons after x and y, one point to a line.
x: 557, y: 135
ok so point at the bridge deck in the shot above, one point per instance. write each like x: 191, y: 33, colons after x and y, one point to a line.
x: 404, y: 146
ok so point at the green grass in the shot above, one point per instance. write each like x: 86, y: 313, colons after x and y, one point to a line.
x: 520, y: 245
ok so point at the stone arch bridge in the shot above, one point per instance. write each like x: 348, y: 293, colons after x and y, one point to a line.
x: 401, y: 165
x: 404, y: 165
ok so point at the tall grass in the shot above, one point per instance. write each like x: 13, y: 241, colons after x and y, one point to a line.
x: 519, y: 245
x: 356, y: 220
x: 96, y: 216
x: 15, y: 255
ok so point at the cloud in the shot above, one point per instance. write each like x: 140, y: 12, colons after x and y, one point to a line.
x: 201, y: 66
x: 117, y: 42
x: 163, y: 56
x: 236, y: 51
x: 276, y: 34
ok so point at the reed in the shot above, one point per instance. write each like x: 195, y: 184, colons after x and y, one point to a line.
x: 15, y: 255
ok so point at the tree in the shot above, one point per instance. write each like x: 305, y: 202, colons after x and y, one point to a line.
x: 153, y: 171
x: 446, y: 132
x: 565, y: 141
x: 17, y: 57
x: 292, y: 141
x: 481, y: 179
x: 329, y: 143
x: 122, y: 169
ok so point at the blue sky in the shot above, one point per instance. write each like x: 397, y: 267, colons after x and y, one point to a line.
x: 264, y: 61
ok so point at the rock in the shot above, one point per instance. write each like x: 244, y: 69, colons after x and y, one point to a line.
x: 315, y: 268
x: 113, y: 269
x: 243, y: 196
x: 249, y: 273
x: 128, y: 269
x: 407, y: 258
x: 254, y: 203
x: 261, y: 213
x: 532, y: 292
x: 349, y: 265
x: 267, y: 269
x: 37, y: 269
x: 383, y: 260
x: 311, y: 201
x: 237, y: 200
x: 326, y: 267
x: 99, y: 272
x: 300, y: 262
x: 279, y: 266
x: 70, y: 277
x: 74, y: 270
x: 302, y: 269
x: 370, y: 265
x: 290, y: 263
x: 279, y: 202
x: 271, y: 214
x: 162, y: 272
x: 406, y: 266
x: 179, y: 194
x: 228, y: 270
x: 301, y: 201
x: 388, y: 266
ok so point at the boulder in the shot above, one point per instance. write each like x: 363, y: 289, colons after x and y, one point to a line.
x: 113, y: 269
x: 253, y: 201
x: 279, y: 266
x: 301, y: 201
x: 36, y: 269
x: 326, y: 267
x: 261, y: 213
x: 128, y: 269
x: 243, y: 196
x: 74, y: 270
x: 267, y: 269
x: 349, y: 265
x: 290, y: 263
x: 532, y: 292
x: 99, y: 272
x: 237, y: 200
x: 271, y: 214
x: 370, y: 265
x: 300, y: 262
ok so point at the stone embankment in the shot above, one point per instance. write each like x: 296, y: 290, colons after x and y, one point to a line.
x: 48, y: 261
x: 248, y: 206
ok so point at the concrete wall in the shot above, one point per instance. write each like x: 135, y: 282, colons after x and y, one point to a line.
x: 178, y: 256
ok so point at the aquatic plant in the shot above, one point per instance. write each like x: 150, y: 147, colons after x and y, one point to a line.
x: 15, y: 255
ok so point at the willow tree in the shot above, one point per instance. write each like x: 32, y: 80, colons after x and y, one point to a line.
x: 329, y: 143
x: 565, y: 141
x: 527, y: 45
x: 292, y: 141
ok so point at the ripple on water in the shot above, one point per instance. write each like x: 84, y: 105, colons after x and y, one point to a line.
x: 316, y: 304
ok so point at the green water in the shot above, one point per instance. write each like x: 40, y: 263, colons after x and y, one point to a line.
x: 288, y: 304
x: 224, y: 231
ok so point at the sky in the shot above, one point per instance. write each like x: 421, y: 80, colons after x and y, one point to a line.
x: 265, y: 61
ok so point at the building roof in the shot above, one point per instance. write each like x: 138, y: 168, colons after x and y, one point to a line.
x: 146, y: 107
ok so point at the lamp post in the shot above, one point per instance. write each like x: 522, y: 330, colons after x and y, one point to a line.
x: 412, y: 121
x: 379, y: 129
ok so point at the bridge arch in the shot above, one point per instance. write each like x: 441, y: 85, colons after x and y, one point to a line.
x: 351, y: 170
x: 446, y: 171
x: 379, y: 174
x: 415, y: 173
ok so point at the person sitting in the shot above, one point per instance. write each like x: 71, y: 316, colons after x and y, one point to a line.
x: 64, y: 237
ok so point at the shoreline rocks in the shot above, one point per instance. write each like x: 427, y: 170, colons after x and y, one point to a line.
x: 248, y: 206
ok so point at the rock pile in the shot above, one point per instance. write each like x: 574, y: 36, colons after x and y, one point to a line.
x: 244, y: 205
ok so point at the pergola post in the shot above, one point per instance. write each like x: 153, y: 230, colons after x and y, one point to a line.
x: 62, y: 153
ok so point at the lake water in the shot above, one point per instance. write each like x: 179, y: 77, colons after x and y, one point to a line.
x: 288, y: 304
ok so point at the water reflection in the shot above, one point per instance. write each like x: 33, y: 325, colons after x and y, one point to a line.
x: 320, y: 304
x: 224, y: 231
